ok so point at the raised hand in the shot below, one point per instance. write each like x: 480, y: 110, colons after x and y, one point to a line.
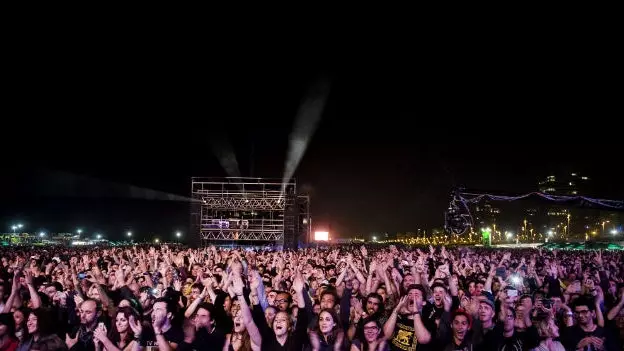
x: 237, y: 285
x: 297, y: 283
x: 136, y: 326
x: 177, y: 285
x: 254, y: 281
x: 70, y: 342
x: 28, y: 277
x: 99, y: 334
x: 416, y: 305
x: 402, y: 302
x: 448, y: 302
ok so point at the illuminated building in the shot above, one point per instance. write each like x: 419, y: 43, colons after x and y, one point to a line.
x: 570, y: 185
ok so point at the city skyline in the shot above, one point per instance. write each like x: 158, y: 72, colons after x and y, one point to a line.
x: 389, y: 144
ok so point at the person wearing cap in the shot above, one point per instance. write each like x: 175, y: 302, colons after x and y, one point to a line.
x: 405, y: 329
x: 484, y: 324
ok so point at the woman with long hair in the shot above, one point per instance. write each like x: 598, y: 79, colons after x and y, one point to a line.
x: 327, y: 335
x: 371, y: 338
x: 37, y: 326
x: 19, y: 316
x: 245, y: 335
x: 122, y: 335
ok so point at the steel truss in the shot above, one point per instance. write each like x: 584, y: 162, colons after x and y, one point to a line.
x: 240, y: 209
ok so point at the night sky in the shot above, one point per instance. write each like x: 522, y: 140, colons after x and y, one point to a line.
x: 394, y: 138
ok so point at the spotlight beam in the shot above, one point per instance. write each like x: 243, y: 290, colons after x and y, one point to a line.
x: 306, y: 122
x: 224, y: 151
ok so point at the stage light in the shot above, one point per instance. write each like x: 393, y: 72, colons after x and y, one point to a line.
x: 129, y: 233
x: 614, y: 232
x: 79, y: 231
x: 14, y: 227
x: 156, y: 240
x: 178, y: 234
x: 42, y: 234
x: 99, y: 236
x: 321, y: 236
x: 550, y: 233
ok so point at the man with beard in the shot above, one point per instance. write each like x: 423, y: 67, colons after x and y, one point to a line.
x: 202, y: 330
x: 374, y: 309
x: 586, y: 335
x: 404, y: 328
x: 146, y: 299
x: 82, y: 339
x: 166, y: 336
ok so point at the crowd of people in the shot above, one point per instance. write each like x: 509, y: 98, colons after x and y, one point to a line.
x: 350, y: 298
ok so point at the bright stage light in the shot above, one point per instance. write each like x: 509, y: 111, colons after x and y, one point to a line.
x: 321, y: 236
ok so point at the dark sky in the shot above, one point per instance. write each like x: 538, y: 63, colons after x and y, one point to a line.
x: 395, y: 136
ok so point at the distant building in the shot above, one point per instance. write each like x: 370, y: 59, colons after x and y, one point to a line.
x: 569, y: 185
x: 486, y: 214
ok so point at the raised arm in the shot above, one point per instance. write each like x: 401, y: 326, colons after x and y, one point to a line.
x: 391, y: 322
x: 191, y: 309
x: 13, y: 296
x: 615, y: 310
x: 252, y: 329
x: 34, y: 297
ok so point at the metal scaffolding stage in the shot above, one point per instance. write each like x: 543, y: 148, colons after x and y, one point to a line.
x: 249, y: 211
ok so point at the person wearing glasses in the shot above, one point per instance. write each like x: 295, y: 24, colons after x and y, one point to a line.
x: 371, y: 338
x: 586, y: 335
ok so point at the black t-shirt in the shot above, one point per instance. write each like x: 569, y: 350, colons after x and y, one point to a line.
x: 174, y: 334
x: 403, y: 337
x: 205, y: 341
x: 575, y: 334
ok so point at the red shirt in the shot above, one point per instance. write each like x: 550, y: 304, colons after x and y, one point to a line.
x: 9, y: 345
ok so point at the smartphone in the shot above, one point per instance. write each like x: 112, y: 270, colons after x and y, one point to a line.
x: 82, y: 275
x: 512, y: 292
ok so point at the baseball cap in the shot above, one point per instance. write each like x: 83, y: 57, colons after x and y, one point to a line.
x: 488, y: 302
